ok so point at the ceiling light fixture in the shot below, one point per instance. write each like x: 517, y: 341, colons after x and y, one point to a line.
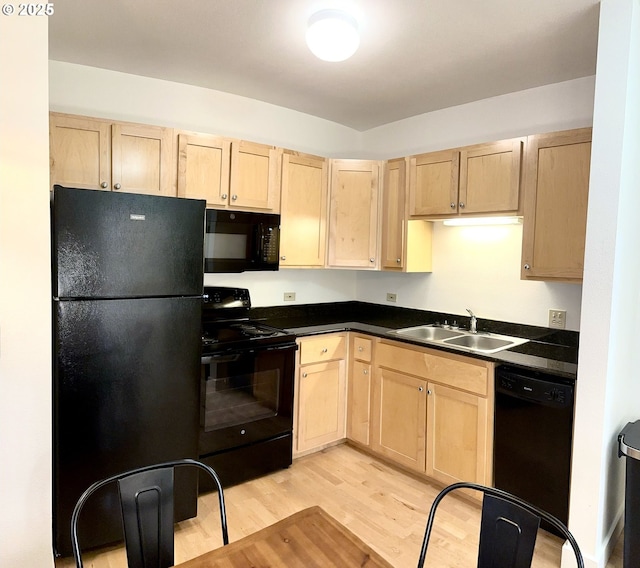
x: 470, y: 221
x: 332, y: 35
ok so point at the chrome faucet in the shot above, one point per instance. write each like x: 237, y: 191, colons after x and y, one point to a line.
x: 473, y: 323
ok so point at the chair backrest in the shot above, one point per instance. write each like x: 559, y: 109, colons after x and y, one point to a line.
x: 146, y: 499
x: 508, y: 528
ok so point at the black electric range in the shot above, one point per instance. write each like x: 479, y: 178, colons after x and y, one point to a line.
x: 246, y: 409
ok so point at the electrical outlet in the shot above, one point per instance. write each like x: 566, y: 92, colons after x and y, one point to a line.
x: 391, y: 297
x: 289, y: 296
x: 557, y: 319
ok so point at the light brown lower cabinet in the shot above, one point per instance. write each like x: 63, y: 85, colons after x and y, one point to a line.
x: 400, y: 409
x: 457, y: 436
x: 433, y: 412
x: 320, y: 392
x: 426, y: 410
x: 359, y: 389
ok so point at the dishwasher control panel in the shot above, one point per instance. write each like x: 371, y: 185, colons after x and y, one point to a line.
x: 529, y: 387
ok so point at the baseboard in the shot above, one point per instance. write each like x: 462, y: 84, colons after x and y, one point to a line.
x: 603, y: 554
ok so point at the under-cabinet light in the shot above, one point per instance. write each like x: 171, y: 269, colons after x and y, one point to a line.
x: 470, y: 221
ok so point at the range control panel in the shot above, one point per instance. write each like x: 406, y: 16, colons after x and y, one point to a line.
x: 218, y: 297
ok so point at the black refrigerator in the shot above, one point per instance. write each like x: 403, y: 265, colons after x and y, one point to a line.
x: 127, y: 301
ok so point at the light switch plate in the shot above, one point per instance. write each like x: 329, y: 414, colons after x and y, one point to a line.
x: 558, y: 319
x: 289, y: 296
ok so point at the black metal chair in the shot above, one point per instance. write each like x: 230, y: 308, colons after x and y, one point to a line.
x: 146, y: 499
x: 508, y: 528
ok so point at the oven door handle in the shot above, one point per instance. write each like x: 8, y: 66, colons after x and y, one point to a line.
x: 234, y: 355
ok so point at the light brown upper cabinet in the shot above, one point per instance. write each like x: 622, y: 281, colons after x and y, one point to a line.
x: 555, y: 208
x: 303, y: 210
x: 483, y: 179
x: 406, y: 244
x: 203, y: 168
x: 490, y: 177
x: 233, y: 174
x: 433, y: 188
x: 91, y: 153
x: 353, y: 214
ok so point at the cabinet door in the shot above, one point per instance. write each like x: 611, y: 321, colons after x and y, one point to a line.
x: 401, y: 407
x: 359, y: 403
x: 555, y: 209
x: 80, y: 152
x: 353, y: 213
x: 458, y: 428
x: 142, y: 159
x: 303, y: 211
x: 490, y: 177
x: 393, y: 215
x: 203, y: 168
x: 321, y: 404
x: 433, y: 185
x: 254, y: 177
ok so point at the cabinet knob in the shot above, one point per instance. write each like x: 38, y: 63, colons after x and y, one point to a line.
x: 429, y: 391
x: 224, y: 196
x: 527, y: 267
x: 372, y: 259
x: 234, y: 197
x: 325, y: 350
x: 104, y: 185
x: 452, y: 205
x: 304, y: 375
x: 283, y: 258
x: 398, y: 260
x: 462, y: 205
x: 420, y: 389
x: 365, y: 371
x: 360, y: 349
x: 116, y: 186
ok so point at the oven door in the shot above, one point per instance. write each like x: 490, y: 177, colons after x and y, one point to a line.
x: 246, y: 397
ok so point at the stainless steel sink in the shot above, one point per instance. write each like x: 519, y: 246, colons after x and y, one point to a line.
x: 427, y: 333
x: 479, y: 342
x: 459, y: 339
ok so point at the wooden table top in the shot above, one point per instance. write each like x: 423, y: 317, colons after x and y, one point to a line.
x: 310, y: 538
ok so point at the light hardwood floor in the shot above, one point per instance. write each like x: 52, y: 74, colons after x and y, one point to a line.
x: 383, y: 506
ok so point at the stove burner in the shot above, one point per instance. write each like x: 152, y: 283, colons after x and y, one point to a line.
x: 254, y: 331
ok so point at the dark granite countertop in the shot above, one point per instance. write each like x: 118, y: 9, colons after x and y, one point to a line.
x: 548, y: 350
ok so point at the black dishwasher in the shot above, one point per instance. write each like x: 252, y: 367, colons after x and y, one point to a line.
x: 533, y: 431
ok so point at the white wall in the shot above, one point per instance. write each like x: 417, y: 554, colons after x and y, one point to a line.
x: 476, y: 268
x: 25, y: 289
x: 480, y: 267
x: 97, y: 92
x: 553, y: 107
x: 78, y: 89
x: 310, y: 286
x: 608, y: 394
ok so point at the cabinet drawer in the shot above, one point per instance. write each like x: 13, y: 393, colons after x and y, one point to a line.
x: 453, y: 370
x: 362, y: 349
x: 322, y: 348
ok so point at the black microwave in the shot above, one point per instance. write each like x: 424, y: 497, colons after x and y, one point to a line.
x: 237, y: 241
